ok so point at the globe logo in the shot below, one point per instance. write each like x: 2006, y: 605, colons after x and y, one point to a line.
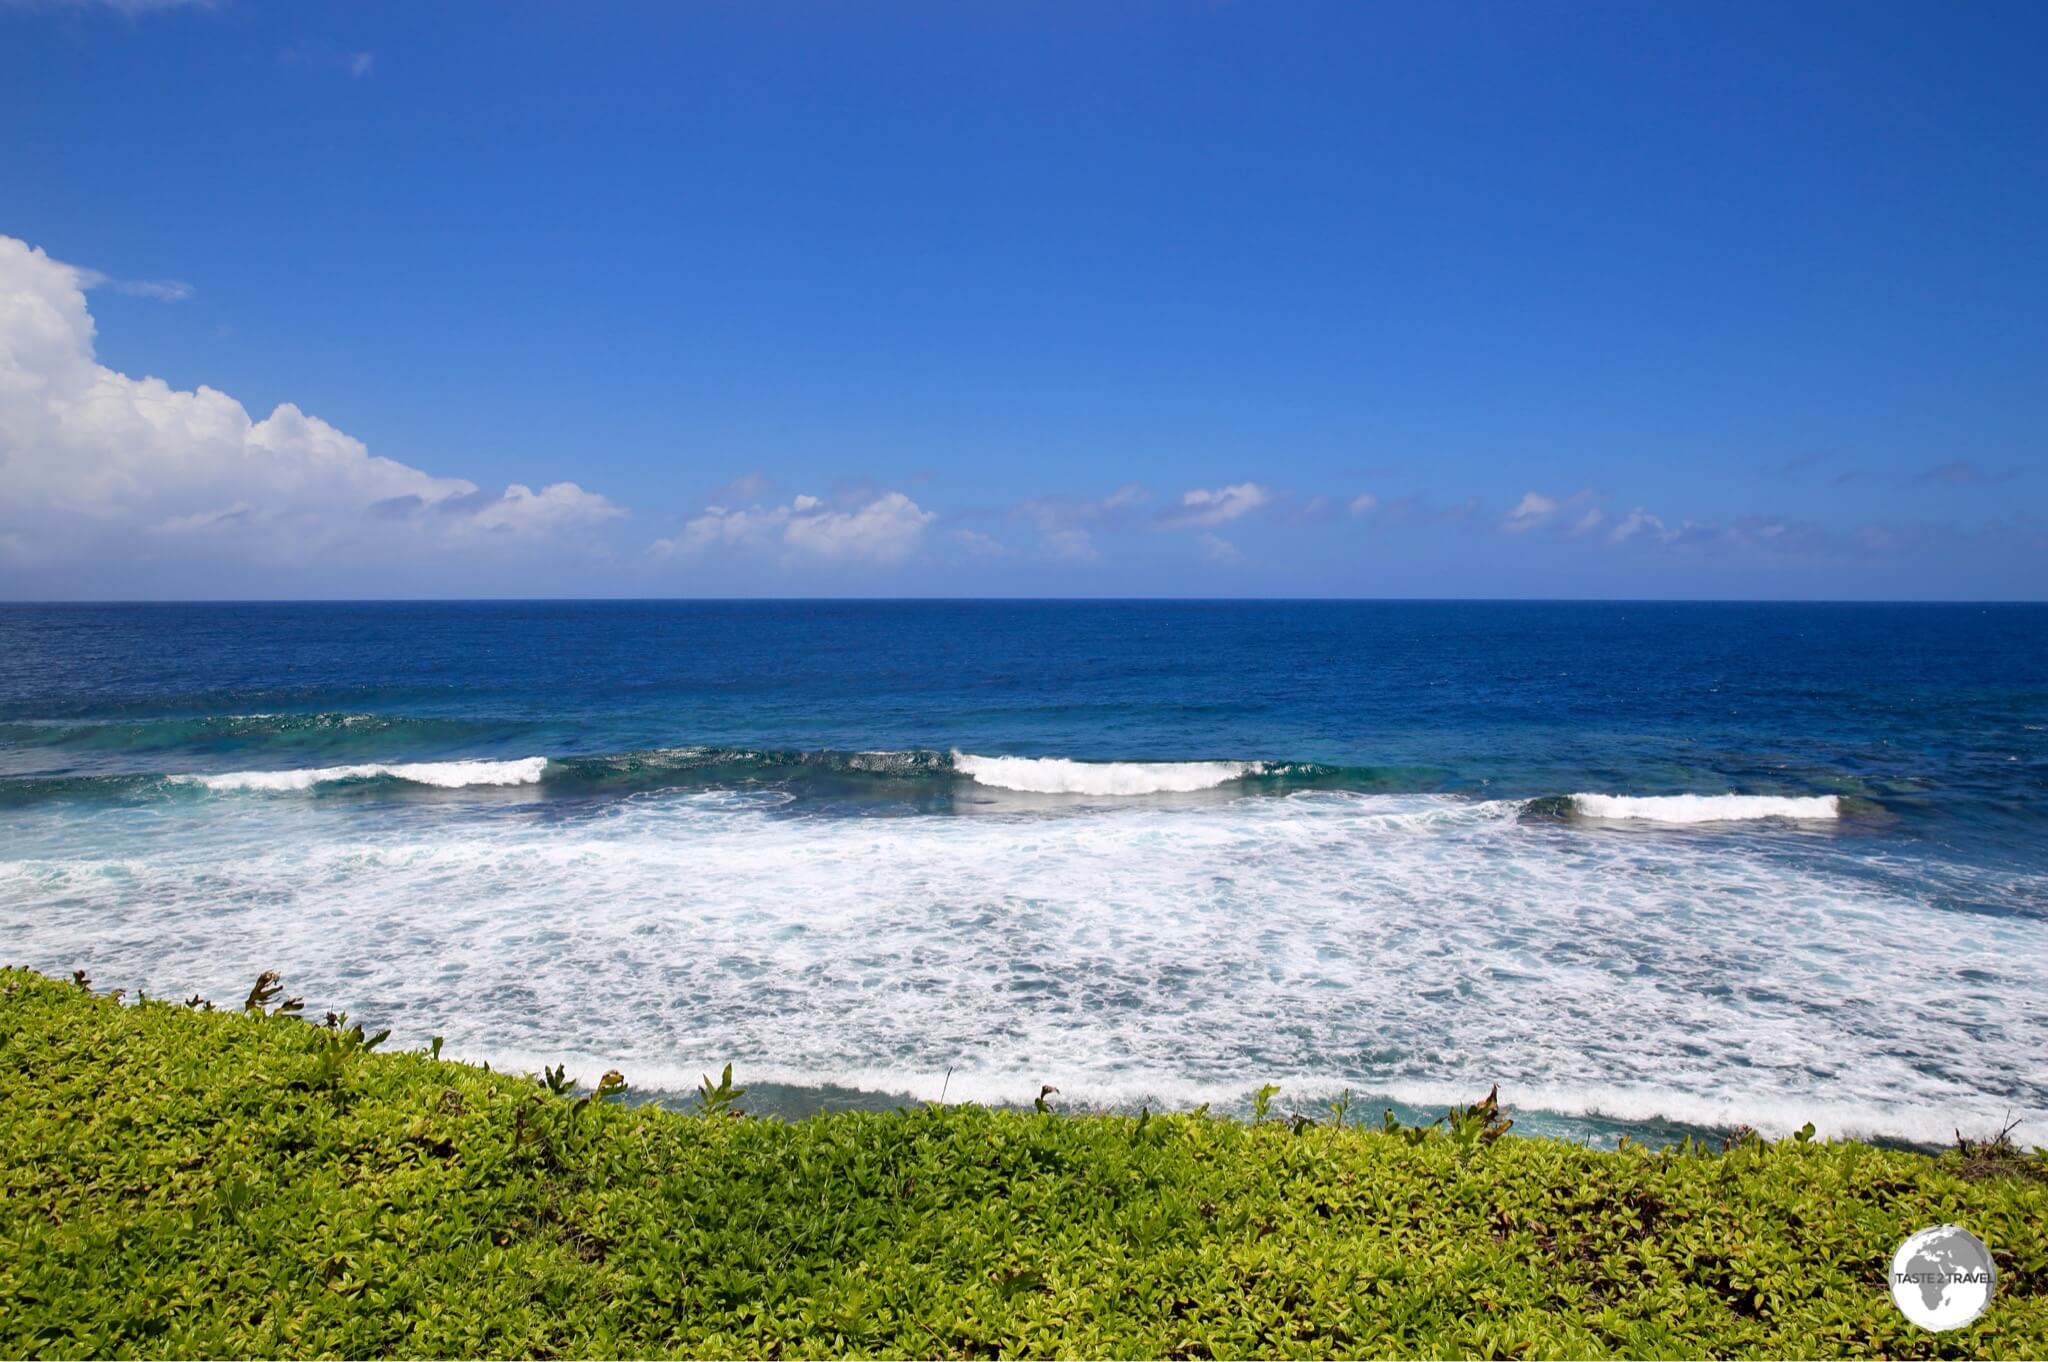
x: 1943, y: 1277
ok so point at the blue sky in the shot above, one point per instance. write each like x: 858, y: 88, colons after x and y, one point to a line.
x: 1135, y: 299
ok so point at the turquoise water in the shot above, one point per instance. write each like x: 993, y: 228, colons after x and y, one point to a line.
x: 1650, y: 867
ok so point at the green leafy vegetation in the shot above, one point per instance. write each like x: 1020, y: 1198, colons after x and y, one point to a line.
x: 712, y: 1100
x: 176, y: 1181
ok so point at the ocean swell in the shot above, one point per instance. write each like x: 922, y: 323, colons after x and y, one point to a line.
x: 228, y: 731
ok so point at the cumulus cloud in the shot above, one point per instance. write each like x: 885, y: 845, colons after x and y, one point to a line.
x: 92, y: 458
x: 726, y: 527
x: 1363, y: 502
x: 1538, y: 509
x: 885, y: 529
x: 1202, y: 506
x: 1532, y: 510
x: 1637, y: 521
x: 1217, y: 549
x: 521, y: 510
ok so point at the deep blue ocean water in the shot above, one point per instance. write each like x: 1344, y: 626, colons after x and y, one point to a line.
x: 1649, y: 866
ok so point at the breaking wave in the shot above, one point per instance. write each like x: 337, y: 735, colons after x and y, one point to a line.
x: 446, y: 775
x: 1059, y: 775
x: 1694, y: 808
x: 923, y: 777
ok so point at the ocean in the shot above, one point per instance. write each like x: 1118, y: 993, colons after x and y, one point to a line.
x: 1654, y: 869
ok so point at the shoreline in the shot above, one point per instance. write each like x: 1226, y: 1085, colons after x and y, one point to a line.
x: 1601, y: 1118
x: 784, y: 1099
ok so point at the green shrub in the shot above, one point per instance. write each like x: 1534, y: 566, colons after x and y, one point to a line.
x: 177, y: 1182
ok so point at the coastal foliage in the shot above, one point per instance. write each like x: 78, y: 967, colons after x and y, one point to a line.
x: 176, y: 1181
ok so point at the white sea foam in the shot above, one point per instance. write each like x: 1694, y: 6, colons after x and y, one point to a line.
x: 448, y: 775
x: 1691, y: 808
x: 1416, y: 947
x: 1059, y: 775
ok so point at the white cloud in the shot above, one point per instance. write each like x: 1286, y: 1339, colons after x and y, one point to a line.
x: 1217, y: 549
x: 90, y: 458
x: 886, y: 529
x: 163, y: 290
x: 1532, y: 510
x: 359, y: 64
x: 718, y: 526
x: 521, y: 510
x: 981, y: 545
x: 1588, y: 522
x: 1363, y: 502
x: 1636, y: 522
x: 1201, y: 506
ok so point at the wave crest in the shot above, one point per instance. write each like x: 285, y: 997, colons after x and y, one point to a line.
x: 1692, y: 808
x: 446, y: 775
x: 1063, y: 775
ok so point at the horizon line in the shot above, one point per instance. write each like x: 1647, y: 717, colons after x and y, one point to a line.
x: 1017, y: 600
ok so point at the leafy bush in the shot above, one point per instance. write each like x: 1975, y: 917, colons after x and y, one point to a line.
x: 177, y: 1182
